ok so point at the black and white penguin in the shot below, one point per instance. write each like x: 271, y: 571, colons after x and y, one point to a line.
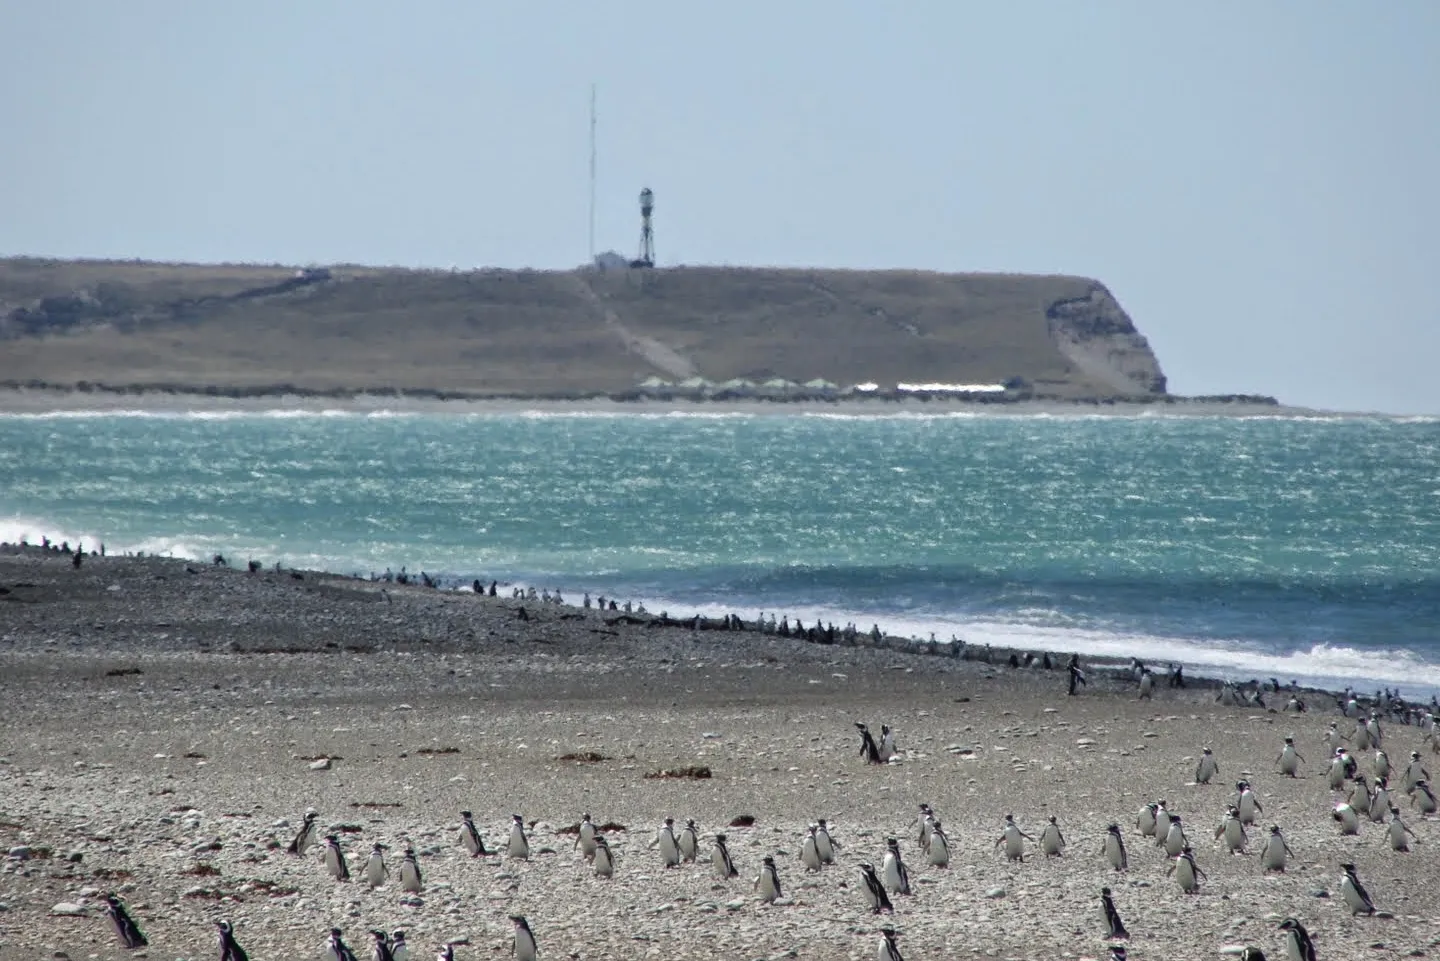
x: 1013, y: 839
x: 689, y: 841
x: 336, y: 949
x: 665, y: 840
x: 1175, y: 839
x: 1162, y: 822
x: 1052, y: 842
x: 1186, y: 871
x: 1359, y: 796
x: 524, y: 947
x: 603, y: 858
x: 1145, y: 819
x: 924, y: 820
x: 230, y: 949
x: 1114, y: 849
x: 809, y: 856
x: 1298, y: 946
x: 1247, y: 802
x: 1348, y: 820
x: 1382, y: 765
x: 1147, y: 685
x: 1414, y: 773
x: 1274, y: 854
x: 889, y: 950
x: 768, y: 883
x: 825, y: 845
x: 1334, y: 740
x: 125, y: 927
x: 1207, y: 768
x: 875, y: 891
x: 1400, y: 834
x: 410, y: 880
x: 1337, y: 773
x: 304, y: 837
x: 470, y: 837
x: 720, y: 858
x: 399, y: 950
x: 1289, y: 760
x: 887, y: 743
x: 335, y: 859
x: 1357, y: 899
x: 375, y: 871
x: 1252, y: 953
x: 380, y: 947
x: 869, y: 750
x: 1114, y: 927
x: 1422, y: 798
x: 893, y: 870
x: 937, y: 848
x: 519, y: 846
x: 1380, y: 800
x: 1233, y: 831
x: 1118, y: 952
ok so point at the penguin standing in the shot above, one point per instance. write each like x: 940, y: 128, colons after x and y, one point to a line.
x: 1247, y: 802
x: 1275, y: 852
x: 1382, y: 765
x: 335, y: 859
x: 1147, y: 685
x: 887, y: 743
x: 720, y: 859
x: 665, y: 840
x: 1162, y: 822
x: 875, y: 891
x: 1207, y: 768
x: 375, y: 872
x: 809, y: 856
x: 689, y: 842
x: 1414, y: 773
x: 1360, y: 794
x: 1337, y: 773
x: 1052, y: 842
x: 924, y: 819
x: 470, y: 837
x: 230, y: 949
x: 896, y: 875
x: 306, y: 835
x: 1114, y: 849
x: 1145, y: 820
x: 1289, y: 759
x: 889, y: 950
x: 1232, y: 831
x: 1114, y: 927
x: 1380, y: 800
x: 1400, y: 835
x: 410, y: 880
x: 524, y: 947
x: 604, y: 860
x: 125, y: 927
x: 768, y: 883
x: 1422, y: 798
x: 381, y: 949
x: 937, y: 849
x: 399, y: 950
x: 1014, y: 840
x: 1357, y: 899
x: 585, y: 837
x: 1298, y: 946
x: 336, y: 949
x: 1349, y: 821
x: 868, y: 748
x: 825, y: 845
x: 519, y: 846
x: 1175, y: 841
x: 1074, y: 674
x: 1186, y: 871
x: 1334, y: 740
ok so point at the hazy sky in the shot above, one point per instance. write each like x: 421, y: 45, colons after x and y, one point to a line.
x: 1258, y: 183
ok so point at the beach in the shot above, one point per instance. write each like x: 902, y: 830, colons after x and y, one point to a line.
x: 165, y: 722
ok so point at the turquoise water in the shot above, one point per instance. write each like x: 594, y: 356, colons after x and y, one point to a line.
x: 1305, y: 548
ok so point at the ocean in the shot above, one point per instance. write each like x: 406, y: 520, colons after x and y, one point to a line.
x: 1300, y: 548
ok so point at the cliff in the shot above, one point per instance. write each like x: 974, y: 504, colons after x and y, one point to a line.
x: 254, y: 329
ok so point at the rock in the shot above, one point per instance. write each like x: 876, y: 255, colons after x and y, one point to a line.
x: 1319, y: 893
x: 75, y: 857
x: 322, y: 764
x: 995, y: 893
x: 70, y: 909
x: 20, y: 853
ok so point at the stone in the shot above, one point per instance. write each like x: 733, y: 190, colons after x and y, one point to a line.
x: 995, y: 893
x: 322, y: 764
x: 71, y: 909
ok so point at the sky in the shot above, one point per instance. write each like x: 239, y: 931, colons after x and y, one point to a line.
x: 1258, y: 183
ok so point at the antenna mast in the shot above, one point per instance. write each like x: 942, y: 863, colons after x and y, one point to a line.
x: 592, y: 174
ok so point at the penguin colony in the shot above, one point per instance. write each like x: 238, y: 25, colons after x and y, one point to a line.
x: 1155, y: 824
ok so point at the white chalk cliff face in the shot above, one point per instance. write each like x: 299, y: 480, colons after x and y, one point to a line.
x: 1098, y: 337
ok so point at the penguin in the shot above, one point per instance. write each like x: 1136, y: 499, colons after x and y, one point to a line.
x: 1422, y: 798
x: 1118, y: 952
x: 1207, y: 768
x: 1275, y: 852
x: 336, y: 948
x: 1014, y: 840
x: 1348, y: 819
x: 410, y: 880
x: 1186, y: 871
x: 1414, y: 773
x: 524, y: 947
x: 889, y: 950
x: 585, y: 837
x: 1379, y: 801
x: 1360, y: 794
x: 1175, y: 841
x: 1247, y: 802
x: 1114, y: 849
x: 1145, y: 820
x: 604, y: 860
x: 1337, y: 774
x: 868, y: 749
x: 1357, y: 899
x: 825, y: 845
x: 1252, y: 953
x: 125, y: 927
x: 1382, y: 765
x: 1289, y: 759
x: 768, y: 883
x: 399, y: 950
x: 1114, y: 927
x: 665, y: 839
x: 808, y: 855
x: 375, y: 872
x: 381, y: 949
x: 887, y: 743
x: 1147, y: 685
x: 720, y: 859
x: 470, y: 835
x: 1400, y: 835
x: 1232, y: 831
x: 1372, y: 726
x: 937, y: 849
x: 230, y: 949
x: 1052, y: 842
x: 875, y: 891
x: 1334, y: 740
x: 1162, y: 822
x: 335, y: 859
x: 924, y: 819
x: 1298, y: 946
x: 306, y: 835
x: 519, y: 846
x: 896, y: 875
x: 689, y: 842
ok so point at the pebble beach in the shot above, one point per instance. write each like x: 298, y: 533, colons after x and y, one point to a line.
x: 166, y: 723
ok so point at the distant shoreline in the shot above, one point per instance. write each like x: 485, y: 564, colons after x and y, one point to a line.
x: 30, y: 400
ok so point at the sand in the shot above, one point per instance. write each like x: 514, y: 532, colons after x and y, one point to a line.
x: 160, y: 721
